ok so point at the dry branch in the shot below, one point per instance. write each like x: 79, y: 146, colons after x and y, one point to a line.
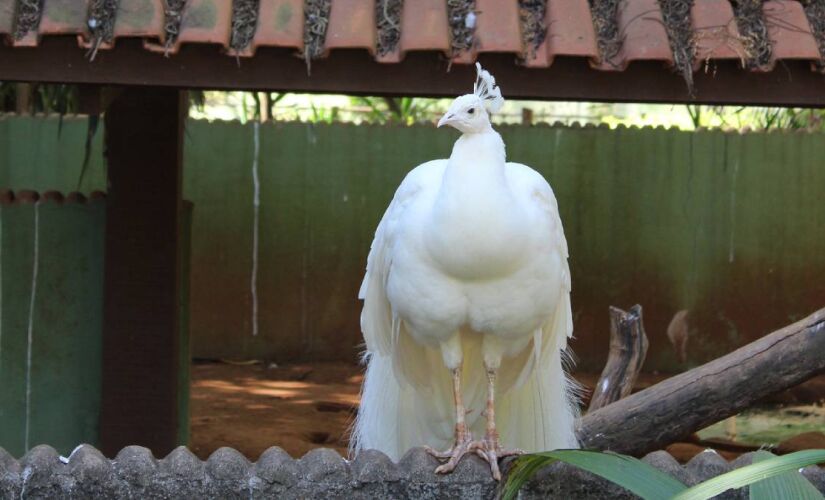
x: 628, y: 348
x: 678, y: 406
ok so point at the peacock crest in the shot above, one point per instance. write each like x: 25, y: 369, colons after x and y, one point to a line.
x: 485, y: 88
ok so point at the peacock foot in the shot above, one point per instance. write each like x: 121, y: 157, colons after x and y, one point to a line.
x: 491, y: 451
x: 487, y: 448
x: 463, y: 445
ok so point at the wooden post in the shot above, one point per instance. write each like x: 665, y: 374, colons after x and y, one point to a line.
x: 628, y: 348
x: 673, y: 409
x: 141, y: 323
x: 526, y: 116
x: 23, y: 99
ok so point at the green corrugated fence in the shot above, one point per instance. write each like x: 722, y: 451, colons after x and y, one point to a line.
x: 724, y: 225
x: 51, y: 311
x: 51, y: 323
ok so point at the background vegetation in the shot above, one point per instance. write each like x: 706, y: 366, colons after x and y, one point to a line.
x: 266, y: 106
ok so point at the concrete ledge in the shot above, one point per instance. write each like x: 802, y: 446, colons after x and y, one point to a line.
x: 321, y: 473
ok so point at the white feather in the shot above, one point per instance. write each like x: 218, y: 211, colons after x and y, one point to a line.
x: 485, y: 88
x: 468, y: 267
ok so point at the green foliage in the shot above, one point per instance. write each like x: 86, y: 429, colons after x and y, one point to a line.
x: 764, y: 468
x: 61, y: 99
x: 38, y: 98
x: 628, y: 472
x: 324, y: 115
x: 769, y: 475
x: 263, y: 105
x: 757, y: 118
x: 787, y: 485
x: 403, y: 110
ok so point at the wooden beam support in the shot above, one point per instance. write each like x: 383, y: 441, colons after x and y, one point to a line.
x: 144, y: 137
x: 673, y: 409
x: 58, y: 59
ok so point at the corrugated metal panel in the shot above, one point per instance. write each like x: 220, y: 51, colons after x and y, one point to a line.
x: 424, y: 27
x: 672, y: 220
x: 52, y: 325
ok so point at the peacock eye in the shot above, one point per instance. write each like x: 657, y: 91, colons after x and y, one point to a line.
x: 471, y: 110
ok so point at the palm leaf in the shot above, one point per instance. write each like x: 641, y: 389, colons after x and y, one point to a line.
x: 628, y: 472
x: 764, y: 469
x: 771, y: 477
x: 790, y: 484
x: 91, y: 131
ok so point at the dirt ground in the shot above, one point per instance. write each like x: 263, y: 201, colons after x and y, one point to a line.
x: 252, y: 407
x: 301, y: 407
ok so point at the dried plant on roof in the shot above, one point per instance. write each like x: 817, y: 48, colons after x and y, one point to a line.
x: 173, y: 15
x: 28, y: 17
x: 461, y: 15
x: 244, y: 22
x: 750, y: 19
x: 815, y: 10
x: 605, y: 15
x: 533, y: 27
x: 316, y: 20
x: 102, y: 14
x: 676, y: 14
x: 388, y: 20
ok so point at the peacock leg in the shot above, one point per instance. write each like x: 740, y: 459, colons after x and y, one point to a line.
x: 463, y: 439
x: 489, y: 448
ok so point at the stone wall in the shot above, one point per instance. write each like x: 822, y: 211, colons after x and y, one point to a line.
x: 322, y: 473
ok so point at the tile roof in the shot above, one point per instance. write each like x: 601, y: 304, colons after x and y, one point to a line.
x: 424, y: 25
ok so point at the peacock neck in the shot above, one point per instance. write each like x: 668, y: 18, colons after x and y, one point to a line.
x: 476, y: 223
x: 477, y: 162
x: 474, y: 185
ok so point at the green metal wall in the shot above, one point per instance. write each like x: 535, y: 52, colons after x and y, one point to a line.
x: 725, y: 225
x: 50, y: 353
x: 46, y: 153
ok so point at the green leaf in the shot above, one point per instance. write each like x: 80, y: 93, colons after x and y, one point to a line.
x: 752, y: 473
x: 627, y: 472
x: 788, y: 485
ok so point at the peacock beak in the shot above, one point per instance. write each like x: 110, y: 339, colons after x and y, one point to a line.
x: 445, y: 120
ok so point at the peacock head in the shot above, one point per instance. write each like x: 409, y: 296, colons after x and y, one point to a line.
x: 470, y: 113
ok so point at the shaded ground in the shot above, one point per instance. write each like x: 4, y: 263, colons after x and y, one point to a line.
x: 301, y: 407
x: 250, y: 408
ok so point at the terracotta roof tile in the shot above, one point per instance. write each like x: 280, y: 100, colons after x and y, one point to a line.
x: 140, y: 18
x: 644, y: 35
x: 351, y: 25
x: 717, y: 36
x: 789, y: 31
x: 202, y: 21
x: 6, y: 15
x: 64, y: 17
x: 6, y: 18
x: 134, y: 19
x: 424, y: 27
x: 498, y: 28
x: 570, y: 31
x: 280, y: 24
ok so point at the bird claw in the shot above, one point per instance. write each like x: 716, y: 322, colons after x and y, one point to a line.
x: 487, y: 448
x: 454, y: 454
x: 439, y: 454
x: 491, y: 451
